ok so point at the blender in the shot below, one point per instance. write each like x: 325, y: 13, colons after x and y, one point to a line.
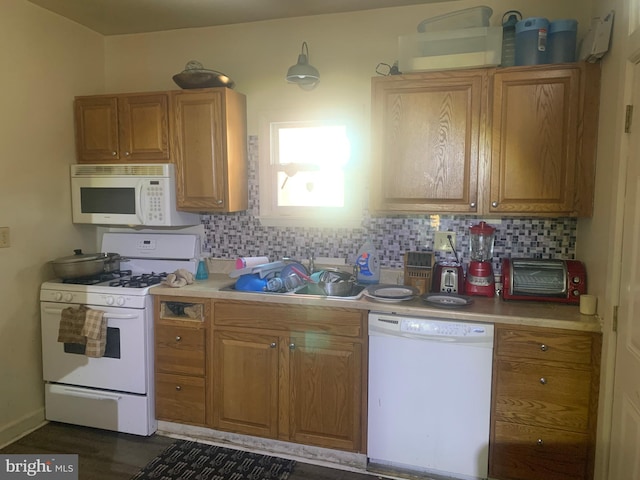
x: 480, y: 280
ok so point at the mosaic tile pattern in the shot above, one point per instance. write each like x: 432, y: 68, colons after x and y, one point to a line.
x: 241, y: 234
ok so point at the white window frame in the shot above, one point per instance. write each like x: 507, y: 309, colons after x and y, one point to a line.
x: 348, y: 216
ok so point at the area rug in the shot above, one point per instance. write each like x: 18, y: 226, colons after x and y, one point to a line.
x: 197, y: 461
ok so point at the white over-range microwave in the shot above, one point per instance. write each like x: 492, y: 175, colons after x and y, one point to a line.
x: 131, y: 194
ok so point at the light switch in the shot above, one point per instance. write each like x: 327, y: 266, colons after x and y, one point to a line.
x: 4, y: 237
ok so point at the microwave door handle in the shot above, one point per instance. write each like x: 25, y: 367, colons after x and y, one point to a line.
x: 141, y: 205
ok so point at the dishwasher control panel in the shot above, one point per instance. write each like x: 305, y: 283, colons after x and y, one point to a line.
x: 425, y: 327
x: 436, y: 327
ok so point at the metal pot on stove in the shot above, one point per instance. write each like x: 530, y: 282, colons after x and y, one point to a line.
x: 81, y: 264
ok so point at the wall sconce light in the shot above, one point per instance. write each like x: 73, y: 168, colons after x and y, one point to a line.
x: 302, y: 73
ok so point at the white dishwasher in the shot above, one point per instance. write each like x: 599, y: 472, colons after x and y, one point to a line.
x: 429, y: 395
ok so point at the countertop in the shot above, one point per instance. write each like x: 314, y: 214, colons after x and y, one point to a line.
x: 492, y: 310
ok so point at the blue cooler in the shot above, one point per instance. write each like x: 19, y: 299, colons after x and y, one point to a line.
x: 562, y: 41
x: 531, y: 41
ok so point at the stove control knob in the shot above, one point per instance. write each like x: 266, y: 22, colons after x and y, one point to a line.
x: 68, y: 297
x: 57, y: 296
x: 109, y: 300
x: 120, y: 301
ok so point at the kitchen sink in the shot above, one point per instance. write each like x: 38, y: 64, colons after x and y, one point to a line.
x: 307, y: 290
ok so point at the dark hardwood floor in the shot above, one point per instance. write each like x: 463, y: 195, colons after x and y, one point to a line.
x: 105, y: 455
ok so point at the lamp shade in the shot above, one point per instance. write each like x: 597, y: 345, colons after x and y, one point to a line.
x: 302, y: 72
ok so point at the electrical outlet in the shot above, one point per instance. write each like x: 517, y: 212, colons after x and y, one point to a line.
x: 441, y: 241
x: 4, y: 237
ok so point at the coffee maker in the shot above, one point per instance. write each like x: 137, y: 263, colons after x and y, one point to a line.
x: 480, y: 280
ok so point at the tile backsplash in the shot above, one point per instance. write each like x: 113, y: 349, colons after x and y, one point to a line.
x: 241, y: 234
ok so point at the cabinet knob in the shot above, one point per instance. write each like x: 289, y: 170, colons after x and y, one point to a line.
x: 544, y: 348
x: 494, y: 204
x: 178, y: 338
x: 218, y: 202
x: 543, y: 381
x: 126, y: 154
x: 178, y: 388
x: 292, y: 346
x: 113, y: 154
x: 273, y: 345
x: 472, y: 204
x: 539, y: 442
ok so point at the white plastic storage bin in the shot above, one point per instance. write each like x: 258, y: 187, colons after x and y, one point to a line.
x: 473, y: 17
x: 450, y: 49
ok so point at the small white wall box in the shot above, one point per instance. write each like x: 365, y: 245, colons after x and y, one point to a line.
x: 596, y: 43
x: 450, y: 49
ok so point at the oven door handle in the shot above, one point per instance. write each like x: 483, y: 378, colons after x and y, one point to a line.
x: 74, y: 392
x: 114, y: 316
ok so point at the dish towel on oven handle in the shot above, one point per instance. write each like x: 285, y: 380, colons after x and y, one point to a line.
x: 95, y: 330
x: 84, y: 326
x: 71, y: 325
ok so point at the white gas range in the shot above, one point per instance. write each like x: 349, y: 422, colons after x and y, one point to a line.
x: 114, y: 391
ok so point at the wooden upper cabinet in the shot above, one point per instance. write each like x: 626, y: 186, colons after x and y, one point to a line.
x: 427, y: 133
x: 210, y: 150
x: 497, y: 141
x: 536, y: 141
x: 131, y: 128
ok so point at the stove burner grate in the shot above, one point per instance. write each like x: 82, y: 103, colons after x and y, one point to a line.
x: 98, y: 278
x: 139, y: 281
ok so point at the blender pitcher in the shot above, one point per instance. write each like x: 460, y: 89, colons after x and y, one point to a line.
x: 480, y: 280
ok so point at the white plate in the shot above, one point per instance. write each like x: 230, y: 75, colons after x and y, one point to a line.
x: 392, y: 292
x: 387, y: 300
x: 447, y: 301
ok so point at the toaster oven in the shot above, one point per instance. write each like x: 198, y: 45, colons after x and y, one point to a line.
x: 543, y: 280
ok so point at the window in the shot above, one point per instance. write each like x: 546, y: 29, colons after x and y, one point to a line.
x: 307, y: 174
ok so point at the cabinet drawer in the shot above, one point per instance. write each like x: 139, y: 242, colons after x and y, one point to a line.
x: 180, y: 350
x: 180, y: 398
x: 532, y: 453
x: 330, y: 320
x: 544, y: 345
x: 542, y: 395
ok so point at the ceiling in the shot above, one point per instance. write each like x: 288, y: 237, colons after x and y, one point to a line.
x: 117, y: 17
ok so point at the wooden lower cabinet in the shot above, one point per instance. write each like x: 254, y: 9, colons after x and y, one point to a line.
x: 544, y: 404
x: 292, y: 373
x: 246, y: 383
x: 181, y: 374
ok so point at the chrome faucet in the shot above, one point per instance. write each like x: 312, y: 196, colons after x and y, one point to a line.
x: 312, y: 265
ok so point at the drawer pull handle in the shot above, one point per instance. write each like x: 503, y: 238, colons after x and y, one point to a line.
x: 543, y: 381
x: 273, y: 345
x: 292, y: 346
x: 178, y: 338
x: 178, y: 388
x: 544, y: 348
x: 539, y: 442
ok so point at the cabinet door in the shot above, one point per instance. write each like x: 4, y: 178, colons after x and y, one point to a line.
x: 144, y: 128
x: 97, y: 129
x: 534, y: 141
x: 325, y: 397
x: 427, y: 139
x: 245, y: 383
x: 200, y: 152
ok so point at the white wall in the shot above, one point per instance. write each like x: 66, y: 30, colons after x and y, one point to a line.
x: 599, y: 237
x: 45, y: 62
x: 344, y: 47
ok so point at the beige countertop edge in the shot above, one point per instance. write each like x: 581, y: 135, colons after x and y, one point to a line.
x: 488, y: 310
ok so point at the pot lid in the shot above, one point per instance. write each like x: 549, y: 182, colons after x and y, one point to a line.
x: 78, y: 256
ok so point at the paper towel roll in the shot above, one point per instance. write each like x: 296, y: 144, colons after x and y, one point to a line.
x: 244, y: 262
